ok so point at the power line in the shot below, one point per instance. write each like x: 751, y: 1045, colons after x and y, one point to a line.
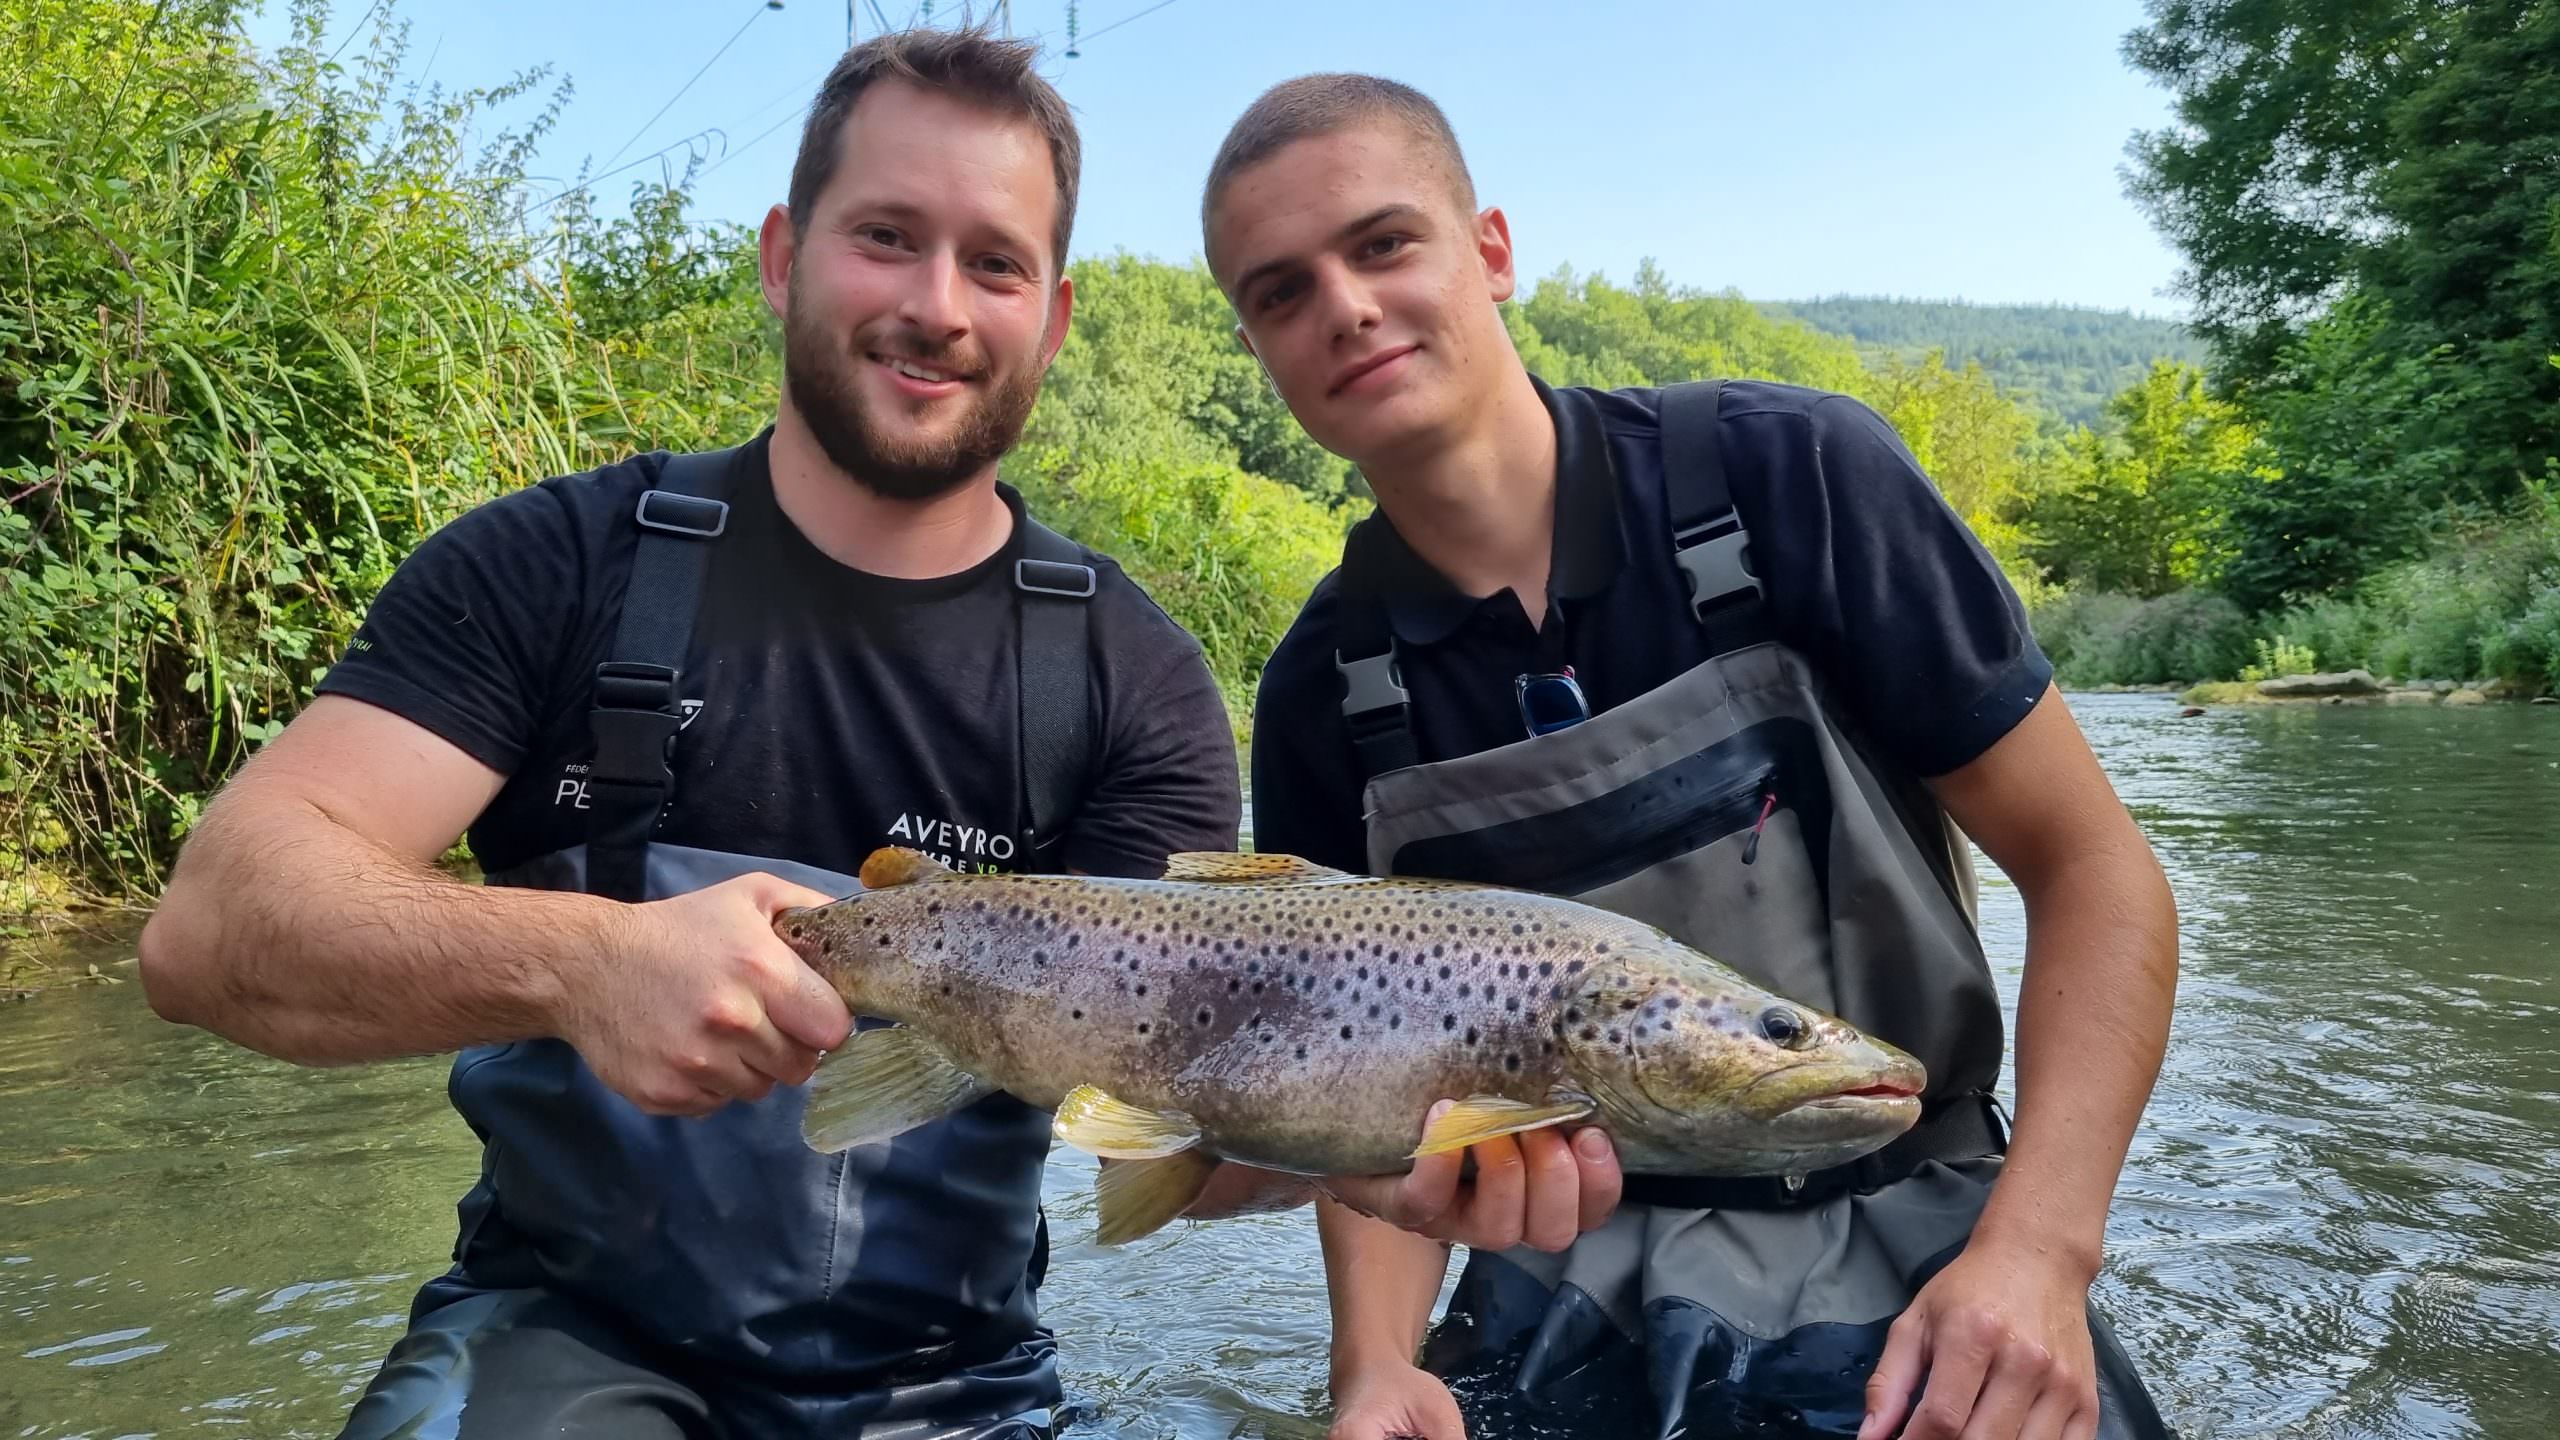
x: 557, y: 196
x: 760, y: 7
x: 750, y: 145
x: 807, y: 82
x: 1116, y: 24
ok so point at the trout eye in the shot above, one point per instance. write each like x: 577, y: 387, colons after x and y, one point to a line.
x: 1784, y: 1027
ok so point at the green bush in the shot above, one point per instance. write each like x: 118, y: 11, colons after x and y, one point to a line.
x: 2097, y: 638
x: 268, y: 325
x: 2472, y: 606
x: 2531, y: 647
x: 2278, y: 659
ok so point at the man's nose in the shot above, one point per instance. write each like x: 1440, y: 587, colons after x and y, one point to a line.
x: 1346, y: 305
x: 935, y: 304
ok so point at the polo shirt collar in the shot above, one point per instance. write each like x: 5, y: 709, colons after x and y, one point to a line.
x: 1424, y: 608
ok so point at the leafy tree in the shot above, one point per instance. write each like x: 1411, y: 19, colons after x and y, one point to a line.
x: 2366, y: 196
x: 2266, y: 182
x: 2140, y: 507
x: 2471, y: 266
x: 1151, y: 368
x: 1980, y: 447
x: 1590, y: 332
x: 2362, y: 443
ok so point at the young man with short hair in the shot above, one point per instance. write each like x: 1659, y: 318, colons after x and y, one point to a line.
x: 1717, y: 656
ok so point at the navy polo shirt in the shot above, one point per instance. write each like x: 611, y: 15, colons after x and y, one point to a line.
x: 1865, y: 570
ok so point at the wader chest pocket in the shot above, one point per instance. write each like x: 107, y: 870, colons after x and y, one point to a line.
x: 1683, y: 807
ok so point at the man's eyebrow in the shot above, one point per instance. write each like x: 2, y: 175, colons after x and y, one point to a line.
x: 1374, y: 218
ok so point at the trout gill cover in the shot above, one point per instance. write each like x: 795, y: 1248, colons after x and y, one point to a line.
x: 1262, y: 1009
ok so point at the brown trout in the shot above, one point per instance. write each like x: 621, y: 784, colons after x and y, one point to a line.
x: 1262, y: 1009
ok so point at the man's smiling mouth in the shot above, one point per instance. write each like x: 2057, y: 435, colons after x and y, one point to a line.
x: 917, y: 369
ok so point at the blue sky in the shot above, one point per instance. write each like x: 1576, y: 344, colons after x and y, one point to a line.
x: 1966, y: 150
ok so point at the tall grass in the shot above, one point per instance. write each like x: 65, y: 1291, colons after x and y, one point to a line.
x: 268, y: 320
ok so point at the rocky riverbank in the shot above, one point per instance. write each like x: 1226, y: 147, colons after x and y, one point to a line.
x: 2361, y: 687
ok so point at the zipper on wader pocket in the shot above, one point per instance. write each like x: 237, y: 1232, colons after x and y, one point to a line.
x: 1688, y: 825
x: 1751, y: 847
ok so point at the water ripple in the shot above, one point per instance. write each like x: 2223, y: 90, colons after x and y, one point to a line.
x: 2336, y: 1223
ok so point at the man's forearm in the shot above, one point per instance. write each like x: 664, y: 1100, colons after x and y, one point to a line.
x: 291, y: 934
x: 1383, y: 1282
x: 2093, y: 1023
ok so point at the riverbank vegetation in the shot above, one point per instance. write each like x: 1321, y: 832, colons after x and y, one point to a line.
x: 273, y: 317
x: 2371, y: 224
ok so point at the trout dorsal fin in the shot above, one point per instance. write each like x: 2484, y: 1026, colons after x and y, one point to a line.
x: 1228, y: 867
x: 898, y: 865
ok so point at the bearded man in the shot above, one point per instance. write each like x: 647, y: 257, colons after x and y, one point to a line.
x: 668, y: 699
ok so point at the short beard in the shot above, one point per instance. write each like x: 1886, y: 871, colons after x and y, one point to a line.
x: 820, y: 380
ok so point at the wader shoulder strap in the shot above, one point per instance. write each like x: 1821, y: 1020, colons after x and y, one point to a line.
x: 638, y: 709
x: 1708, y: 541
x: 1376, y: 709
x: 1054, y: 584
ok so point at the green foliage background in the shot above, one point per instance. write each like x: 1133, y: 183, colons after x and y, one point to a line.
x: 2367, y: 196
x: 271, y: 319
x: 266, y: 320
x: 2066, y: 360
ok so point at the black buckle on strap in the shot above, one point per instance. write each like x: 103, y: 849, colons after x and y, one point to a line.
x: 1715, y: 558
x: 1054, y: 577
x: 1372, y: 687
x: 635, y: 720
x: 679, y: 514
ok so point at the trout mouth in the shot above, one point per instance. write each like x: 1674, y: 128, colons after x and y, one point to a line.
x: 1832, y: 1088
x: 1882, y: 1090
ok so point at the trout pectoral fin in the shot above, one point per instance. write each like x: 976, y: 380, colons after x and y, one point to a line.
x: 897, y: 865
x: 1219, y: 866
x: 1482, y: 1117
x: 1090, y: 1119
x: 1138, y: 1197
x: 882, y: 1084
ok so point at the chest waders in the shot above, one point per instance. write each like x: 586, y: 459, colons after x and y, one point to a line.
x: 718, y: 1269
x: 1732, y: 808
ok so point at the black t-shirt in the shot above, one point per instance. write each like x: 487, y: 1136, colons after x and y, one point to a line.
x: 833, y: 711
x: 1864, y: 570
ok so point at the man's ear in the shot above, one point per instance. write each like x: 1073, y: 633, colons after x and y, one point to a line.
x: 1260, y: 364
x: 776, y: 246
x: 1493, y: 247
x: 1062, y: 310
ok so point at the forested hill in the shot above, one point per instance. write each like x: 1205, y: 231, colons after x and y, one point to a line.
x: 2062, y: 358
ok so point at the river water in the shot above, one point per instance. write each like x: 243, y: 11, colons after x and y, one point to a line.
x: 2338, y: 1221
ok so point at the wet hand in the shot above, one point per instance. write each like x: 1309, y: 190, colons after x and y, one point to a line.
x: 1540, y: 1188
x: 1395, y: 1402
x: 696, y: 1002
x: 2002, y: 1337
